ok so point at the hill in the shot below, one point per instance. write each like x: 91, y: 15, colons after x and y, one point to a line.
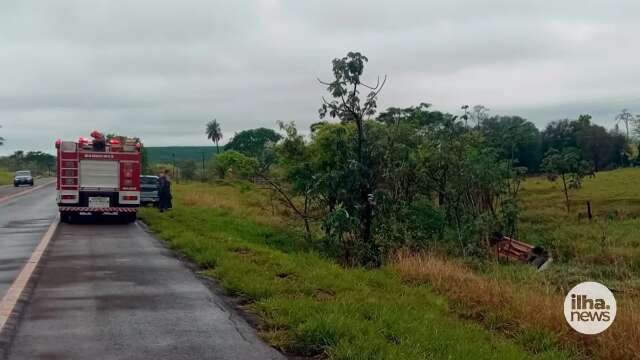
x: 164, y: 154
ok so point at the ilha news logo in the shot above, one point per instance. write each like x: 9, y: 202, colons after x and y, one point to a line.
x: 590, y: 308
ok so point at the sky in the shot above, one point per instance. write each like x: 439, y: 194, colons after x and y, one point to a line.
x: 161, y: 70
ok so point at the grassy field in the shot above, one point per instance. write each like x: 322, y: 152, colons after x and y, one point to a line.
x: 6, y: 177
x: 308, y: 304
x: 164, y: 155
x: 607, y: 248
x: 421, y: 305
x: 515, y: 299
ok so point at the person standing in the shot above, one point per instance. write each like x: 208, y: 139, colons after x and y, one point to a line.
x: 164, y: 191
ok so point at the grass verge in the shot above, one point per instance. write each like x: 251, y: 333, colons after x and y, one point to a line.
x: 529, y: 311
x: 309, y: 305
x: 6, y: 177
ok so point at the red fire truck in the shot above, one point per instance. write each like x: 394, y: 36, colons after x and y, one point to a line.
x: 98, y: 177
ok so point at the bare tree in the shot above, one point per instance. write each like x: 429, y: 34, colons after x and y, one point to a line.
x: 479, y: 113
x: 625, y: 117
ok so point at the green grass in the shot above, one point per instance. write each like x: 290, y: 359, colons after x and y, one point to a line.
x: 308, y: 304
x: 6, y: 177
x: 605, y: 249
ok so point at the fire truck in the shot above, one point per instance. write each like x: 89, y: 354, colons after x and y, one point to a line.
x: 98, y: 177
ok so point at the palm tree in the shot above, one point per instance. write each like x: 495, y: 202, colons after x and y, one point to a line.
x: 214, y: 133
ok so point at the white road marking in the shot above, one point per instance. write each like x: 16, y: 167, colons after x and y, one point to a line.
x: 9, y: 301
x: 25, y: 192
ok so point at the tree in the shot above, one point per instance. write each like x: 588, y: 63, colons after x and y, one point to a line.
x: 636, y: 125
x: 347, y: 106
x: 465, y: 116
x: 515, y: 139
x: 235, y: 164
x: 39, y: 162
x: 569, y: 167
x: 559, y: 134
x: 296, y: 178
x: 252, y: 142
x: 144, y: 160
x: 595, y: 144
x: 625, y: 117
x: 1, y: 138
x: 188, y: 169
x: 214, y: 133
x: 478, y: 113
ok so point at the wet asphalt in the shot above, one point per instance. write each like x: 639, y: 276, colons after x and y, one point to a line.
x: 112, y: 291
x: 23, y: 222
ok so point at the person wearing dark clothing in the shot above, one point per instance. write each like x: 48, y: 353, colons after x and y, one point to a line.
x: 164, y: 191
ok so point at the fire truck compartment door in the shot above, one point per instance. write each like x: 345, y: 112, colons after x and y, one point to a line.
x: 103, y: 174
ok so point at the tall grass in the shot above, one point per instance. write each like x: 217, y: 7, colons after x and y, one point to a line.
x: 6, y: 177
x: 530, y: 312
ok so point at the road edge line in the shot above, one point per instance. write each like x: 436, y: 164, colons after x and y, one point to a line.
x: 26, y: 192
x: 13, y: 295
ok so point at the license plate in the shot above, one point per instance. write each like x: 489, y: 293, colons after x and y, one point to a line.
x: 98, y: 202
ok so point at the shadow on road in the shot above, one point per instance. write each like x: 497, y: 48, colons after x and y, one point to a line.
x: 98, y: 220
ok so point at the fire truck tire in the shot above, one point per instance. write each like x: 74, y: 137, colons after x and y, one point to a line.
x: 129, y: 218
x: 66, y: 218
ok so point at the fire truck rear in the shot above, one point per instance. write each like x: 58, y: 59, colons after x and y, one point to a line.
x: 98, y: 177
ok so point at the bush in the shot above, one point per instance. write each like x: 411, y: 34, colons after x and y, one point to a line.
x: 233, y: 164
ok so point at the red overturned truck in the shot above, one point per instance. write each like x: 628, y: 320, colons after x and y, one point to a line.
x: 98, y: 177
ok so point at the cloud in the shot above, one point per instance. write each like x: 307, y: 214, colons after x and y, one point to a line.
x: 161, y: 70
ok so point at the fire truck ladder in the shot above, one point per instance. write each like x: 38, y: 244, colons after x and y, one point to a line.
x: 69, y: 174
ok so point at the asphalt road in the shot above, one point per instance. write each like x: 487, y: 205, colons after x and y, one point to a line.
x: 23, y: 222
x: 115, y: 292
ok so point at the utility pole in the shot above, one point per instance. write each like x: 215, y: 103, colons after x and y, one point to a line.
x: 174, y: 165
x: 203, y: 171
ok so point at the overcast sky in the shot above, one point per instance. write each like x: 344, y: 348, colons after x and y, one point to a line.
x: 162, y: 69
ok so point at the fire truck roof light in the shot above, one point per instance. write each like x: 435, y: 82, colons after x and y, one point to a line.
x: 114, y: 142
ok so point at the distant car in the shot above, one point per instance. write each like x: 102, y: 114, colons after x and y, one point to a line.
x: 23, y: 177
x: 149, y: 190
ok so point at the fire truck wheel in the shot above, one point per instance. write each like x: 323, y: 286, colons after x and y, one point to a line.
x: 129, y: 218
x: 66, y: 218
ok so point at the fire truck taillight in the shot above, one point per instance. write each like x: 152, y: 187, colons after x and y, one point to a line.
x: 130, y: 198
x: 128, y: 175
x: 68, y: 197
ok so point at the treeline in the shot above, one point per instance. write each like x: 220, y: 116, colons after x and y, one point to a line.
x: 519, y: 140
x: 38, y: 162
x: 413, y: 177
